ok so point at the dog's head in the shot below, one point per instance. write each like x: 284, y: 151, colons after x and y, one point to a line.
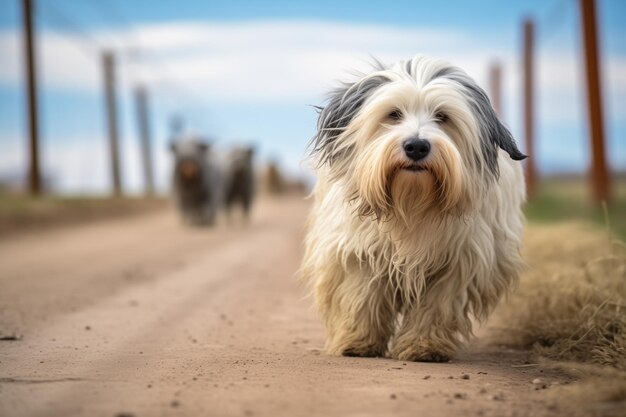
x: 418, y: 136
x: 241, y: 158
x: 190, y: 157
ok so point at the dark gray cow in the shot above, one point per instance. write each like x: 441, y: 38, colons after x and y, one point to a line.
x: 197, y: 181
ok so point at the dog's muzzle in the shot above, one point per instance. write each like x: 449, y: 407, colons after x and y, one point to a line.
x: 189, y: 170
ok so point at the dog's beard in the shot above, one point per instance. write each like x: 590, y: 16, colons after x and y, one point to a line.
x: 389, y: 187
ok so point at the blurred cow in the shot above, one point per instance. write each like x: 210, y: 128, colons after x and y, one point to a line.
x: 239, y: 179
x: 197, y: 181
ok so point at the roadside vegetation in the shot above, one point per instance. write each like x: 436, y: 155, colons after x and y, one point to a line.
x: 570, y: 307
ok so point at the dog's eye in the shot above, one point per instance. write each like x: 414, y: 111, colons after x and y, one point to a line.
x: 441, y: 117
x: 395, y: 115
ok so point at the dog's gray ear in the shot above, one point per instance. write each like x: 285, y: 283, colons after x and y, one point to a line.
x: 494, y: 134
x: 172, y: 147
x: 504, y: 139
x: 495, y: 130
x: 343, y: 105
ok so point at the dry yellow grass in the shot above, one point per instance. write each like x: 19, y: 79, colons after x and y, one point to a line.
x: 571, y: 307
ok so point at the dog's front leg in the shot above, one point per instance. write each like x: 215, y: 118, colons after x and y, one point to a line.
x: 357, y: 312
x: 433, y: 329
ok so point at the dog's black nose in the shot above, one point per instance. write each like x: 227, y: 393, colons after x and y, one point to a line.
x: 416, y: 149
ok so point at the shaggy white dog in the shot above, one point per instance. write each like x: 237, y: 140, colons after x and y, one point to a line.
x: 417, y: 222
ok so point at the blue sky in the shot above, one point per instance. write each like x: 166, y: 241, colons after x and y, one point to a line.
x: 250, y: 71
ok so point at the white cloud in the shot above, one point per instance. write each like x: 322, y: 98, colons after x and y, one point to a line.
x: 64, y: 62
x: 11, y: 62
x: 251, y: 61
x: 271, y: 33
x: 280, y: 61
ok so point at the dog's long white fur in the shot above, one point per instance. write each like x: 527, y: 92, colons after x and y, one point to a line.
x: 399, y: 262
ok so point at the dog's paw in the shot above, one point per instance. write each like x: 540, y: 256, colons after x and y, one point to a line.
x: 423, y: 352
x: 363, y: 351
x: 428, y: 356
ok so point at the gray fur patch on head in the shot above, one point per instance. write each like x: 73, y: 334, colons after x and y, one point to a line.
x: 343, y: 105
x: 494, y: 134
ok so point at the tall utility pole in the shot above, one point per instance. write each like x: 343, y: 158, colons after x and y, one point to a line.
x: 599, y: 172
x: 495, y: 87
x: 108, y: 61
x: 34, y: 173
x: 529, y: 122
x: 141, y: 97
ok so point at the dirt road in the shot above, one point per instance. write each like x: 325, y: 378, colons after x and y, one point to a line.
x: 143, y: 317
